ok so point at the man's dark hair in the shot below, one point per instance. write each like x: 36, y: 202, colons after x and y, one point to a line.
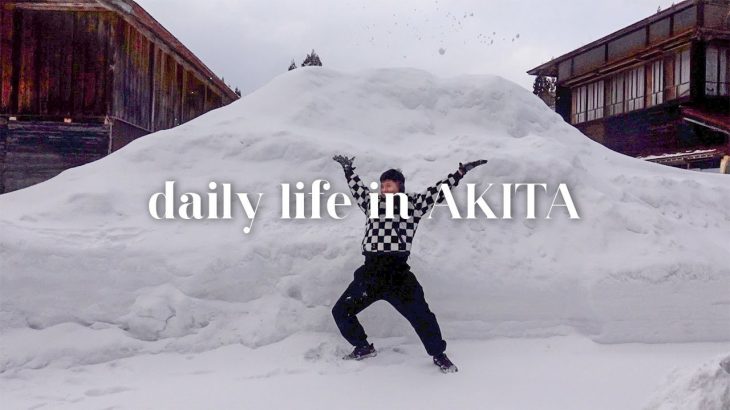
x: 394, y: 175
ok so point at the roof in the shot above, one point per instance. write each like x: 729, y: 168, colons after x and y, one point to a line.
x: 137, y: 16
x: 683, y: 155
x: 687, y: 158
x: 719, y: 121
x: 551, y: 66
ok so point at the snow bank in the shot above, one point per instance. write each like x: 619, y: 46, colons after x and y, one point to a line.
x: 553, y: 373
x: 80, y: 253
x: 705, y: 388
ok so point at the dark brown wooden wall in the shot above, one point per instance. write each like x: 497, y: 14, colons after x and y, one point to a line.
x: 656, y: 130
x: 3, y: 151
x: 132, y: 59
x: 114, y: 81
x: 6, y: 56
x: 167, y: 106
x: 152, y: 90
x: 54, y: 63
x: 86, y: 64
x: 35, y: 151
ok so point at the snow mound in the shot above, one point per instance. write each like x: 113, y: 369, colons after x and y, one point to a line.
x: 80, y: 252
x: 705, y: 388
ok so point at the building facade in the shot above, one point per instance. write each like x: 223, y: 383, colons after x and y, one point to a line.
x: 81, y: 79
x: 658, y: 89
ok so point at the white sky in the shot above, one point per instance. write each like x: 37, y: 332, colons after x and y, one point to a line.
x: 249, y: 42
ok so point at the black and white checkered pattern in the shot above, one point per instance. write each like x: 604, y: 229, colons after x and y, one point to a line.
x: 395, y: 234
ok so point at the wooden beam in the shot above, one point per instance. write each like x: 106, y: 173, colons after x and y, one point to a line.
x: 153, y: 84
x: 15, y: 63
x: 62, y: 6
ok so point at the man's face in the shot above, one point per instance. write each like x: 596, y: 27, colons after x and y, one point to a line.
x: 389, y: 187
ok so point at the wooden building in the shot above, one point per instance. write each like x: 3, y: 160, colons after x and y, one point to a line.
x: 659, y: 88
x: 81, y: 79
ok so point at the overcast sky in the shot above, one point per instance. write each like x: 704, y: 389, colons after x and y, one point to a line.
x: 249, y: 42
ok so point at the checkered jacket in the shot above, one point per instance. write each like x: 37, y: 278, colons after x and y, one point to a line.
x: 383, y: 235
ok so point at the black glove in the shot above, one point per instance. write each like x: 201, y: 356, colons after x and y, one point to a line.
x: 344, y: 161
x: 464, y: 168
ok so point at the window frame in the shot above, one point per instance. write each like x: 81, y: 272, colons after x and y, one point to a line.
x: 682, y: 66
x: 579, y: 104
x: 596, y: 100
x: 616, y: 95
x: 721, y: 69
x: 656, y: 96
x: 635, y: 84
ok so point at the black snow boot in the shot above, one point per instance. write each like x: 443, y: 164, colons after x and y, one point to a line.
x: 362, y: 352
x: 443, y: 362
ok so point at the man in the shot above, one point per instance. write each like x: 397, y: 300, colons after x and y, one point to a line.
x: 386, y: 274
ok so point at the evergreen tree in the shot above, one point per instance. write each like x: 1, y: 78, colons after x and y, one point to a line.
x: 544, y: 87
x: 237, y: 91
x: 293, y: 65
x: 312, y: 59
x: 538, y: 86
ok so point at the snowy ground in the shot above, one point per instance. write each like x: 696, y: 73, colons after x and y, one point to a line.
x: 304, y: 372
x: 89, y: 279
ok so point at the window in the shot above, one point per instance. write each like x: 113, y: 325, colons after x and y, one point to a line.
x: 717, y: 71
x: 579, y: 104
x: 616, y: 95
x: 595, y: 100
x: 626, y: 91
x: 681, y: 74
x: 588, y: 102
x: 634, y: 83
x: 656, y: 93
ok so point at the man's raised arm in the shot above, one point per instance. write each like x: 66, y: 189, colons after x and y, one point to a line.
x: 434, y: 194
x: 360, y: 192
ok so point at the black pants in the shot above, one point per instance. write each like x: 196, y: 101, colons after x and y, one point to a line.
x: 389, y: 278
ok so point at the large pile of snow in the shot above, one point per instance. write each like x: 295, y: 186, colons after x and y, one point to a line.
x: 82, y: 263
x: 705, y: 388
